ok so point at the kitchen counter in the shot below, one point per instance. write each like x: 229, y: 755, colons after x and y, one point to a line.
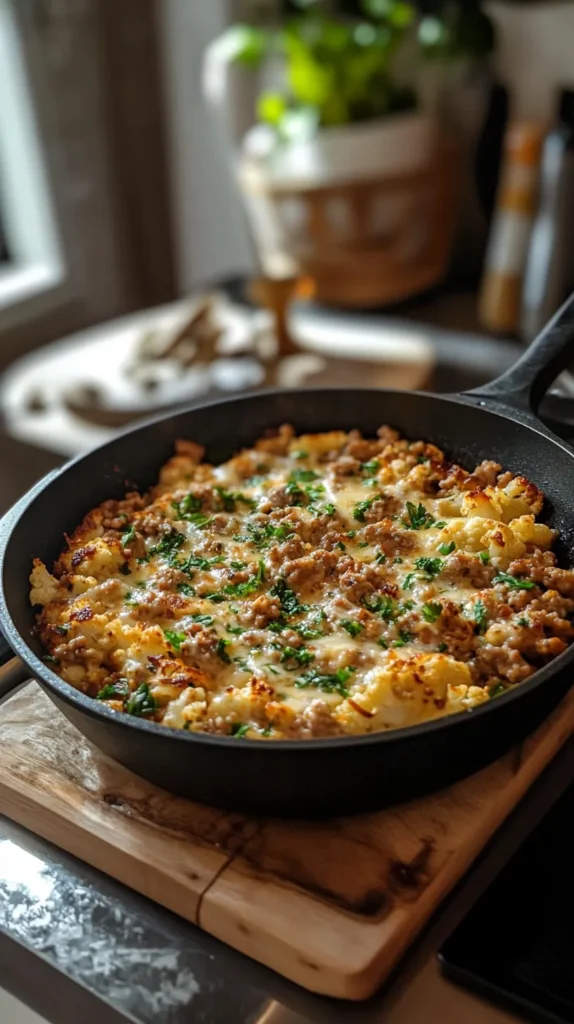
x: 76, y: 946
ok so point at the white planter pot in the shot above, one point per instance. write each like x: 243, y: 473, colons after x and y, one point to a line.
x: 392, y: 146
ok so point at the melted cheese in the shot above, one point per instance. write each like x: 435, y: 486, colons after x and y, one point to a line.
x: 296, y: 590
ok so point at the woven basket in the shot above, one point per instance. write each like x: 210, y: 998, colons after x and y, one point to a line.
x: 364, y: 243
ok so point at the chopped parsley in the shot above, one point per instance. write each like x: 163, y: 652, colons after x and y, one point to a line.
x: 480, y: 616
x: 404, y: 638
x: 523, y: 621
x: 204, y: 620
x: 362, y: 507
x: 114, y: 691
x: 239, y: 729
x: 432, y: 611
x: 50, y: 659
x: 169, y: 544
x: 140, y: 702
x: 335, y: 683
x: 447, y: 549
x: 301, y: 655
x: 128, y: 537
x: 295, y: 492
x: 303, y: 476
x: 380, y: 558
x: 484, y: 557
x: 301, y: 455
x: 419, y: 518
x: 442, y: 647
x: 330, y: 509
x: 383, y: 643
x: 380, y: 603
x: 353, y: 628
x: 187, y: 506
x: 174, y: 638
x: 220, y: 650
x: 431, y: 566
x: 351, y: 534
x: 288, y: 598
x: 234, y: 630
x: 249, y: 586
x: 513, y: 582
x: 370, y: 468
x: 186, y: 589
x: 262, y: 536
x: 229, y: 499
x: 496, y: 689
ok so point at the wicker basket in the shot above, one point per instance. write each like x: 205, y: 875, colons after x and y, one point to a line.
x: 364, y: 243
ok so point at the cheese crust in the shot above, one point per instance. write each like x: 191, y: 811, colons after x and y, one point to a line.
x: 311, y: 586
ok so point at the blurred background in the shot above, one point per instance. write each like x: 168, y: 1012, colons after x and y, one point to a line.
x: 198, y: 198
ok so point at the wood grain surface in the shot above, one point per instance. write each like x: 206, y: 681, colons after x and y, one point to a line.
x: 330, y: 905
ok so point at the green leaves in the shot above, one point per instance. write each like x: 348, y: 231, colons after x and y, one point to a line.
x: 513, y: 582
x: 419, y: 519
x: 244, y: 44
x: 362, y: 507
x: 336, y: 683
x: 354, y: 629
x: 174, y: 638
x: 141, y: 702
x: 431, y: 611
x: 431, y: 566
x: 480, y: 616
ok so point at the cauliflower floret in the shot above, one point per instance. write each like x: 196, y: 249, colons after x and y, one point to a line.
x: 485, y: 504
x: 526, y: 529
x: 520, y: 497
x: 403, y: 692
x: 319, y: 444
x: 45, y: 588
x: 188, y: 706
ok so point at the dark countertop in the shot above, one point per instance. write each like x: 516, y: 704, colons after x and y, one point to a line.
x: 76, y: 946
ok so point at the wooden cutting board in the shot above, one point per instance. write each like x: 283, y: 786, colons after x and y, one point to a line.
x: 330, y: 905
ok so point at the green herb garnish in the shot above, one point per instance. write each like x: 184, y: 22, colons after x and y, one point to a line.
x: 335, y: 683
x: 480, y: 616
x: 513, y: 582
x: 419, y: 518
x: 203, y: 620
x: 174, y: 638
x: 220, y: 650
x: 353, y: 628
x: 140, y: 702
x: 446, y: 549
x: 187, y: 506
x: 404, y: 638
x: 289, y: 600
x: 303, y: 476
x: 496, y: 689
x: 239, y: 729
x: 362, y: 507
x: 442, y: 647
x: 431, y: 566
x: 298, y: 654
x: 128, y: 537
x: 370, y: 468
x: 484, y: 557
x: 431, y: 611
x: 114, y: 691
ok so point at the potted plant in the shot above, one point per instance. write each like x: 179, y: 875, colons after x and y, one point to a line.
x: 335, y: 95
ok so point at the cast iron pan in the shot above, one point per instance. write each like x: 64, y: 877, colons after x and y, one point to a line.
x: 325, y: 776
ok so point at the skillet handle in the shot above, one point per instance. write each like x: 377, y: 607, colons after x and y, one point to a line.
x: 524, y: 385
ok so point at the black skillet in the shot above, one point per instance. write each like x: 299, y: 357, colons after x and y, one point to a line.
x: 325, y: 776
